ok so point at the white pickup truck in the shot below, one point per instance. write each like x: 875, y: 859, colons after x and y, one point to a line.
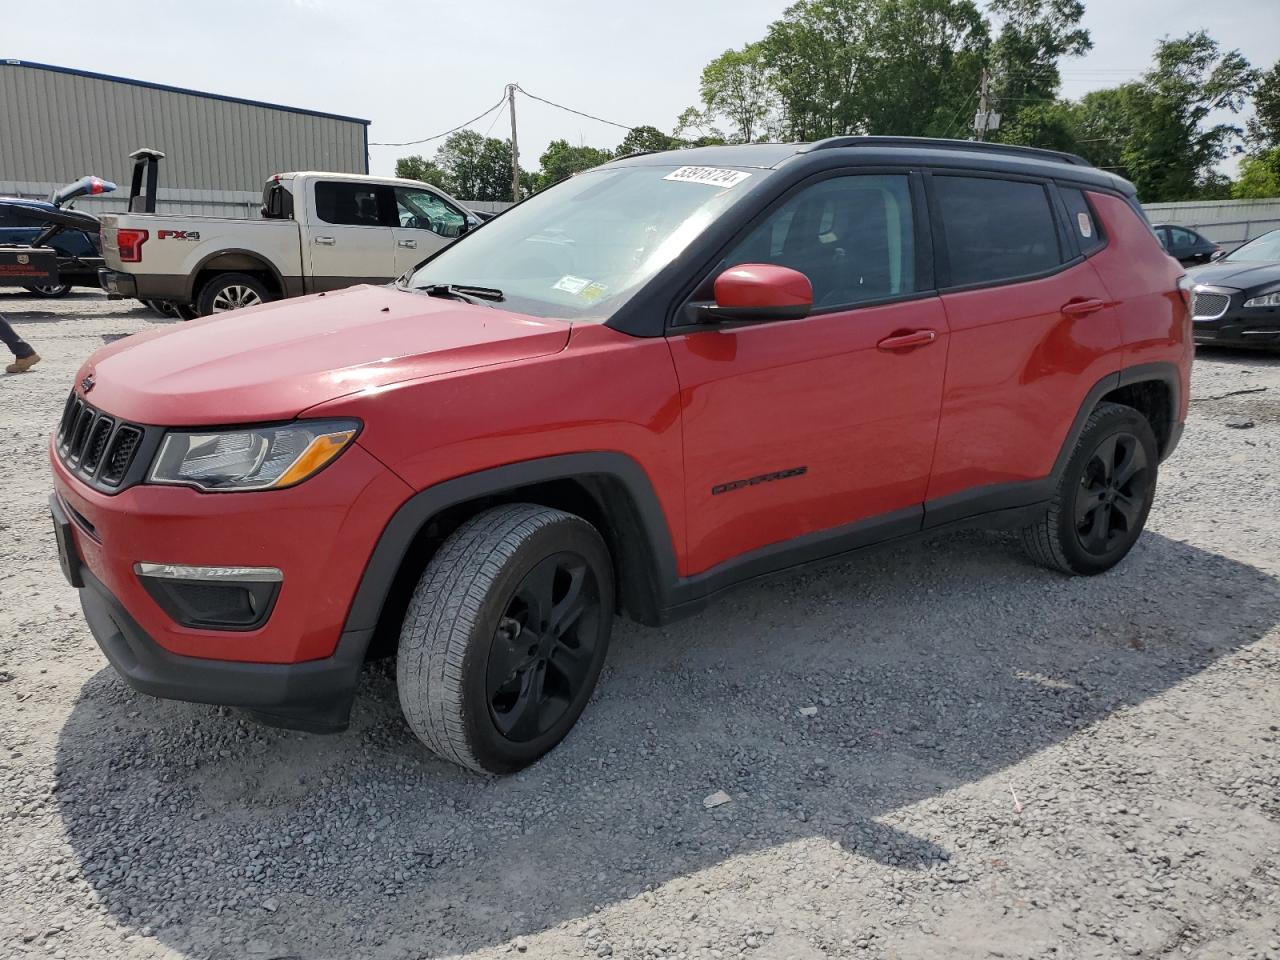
x: 318, y: 231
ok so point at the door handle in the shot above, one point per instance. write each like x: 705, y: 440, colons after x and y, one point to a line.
x: 1080, y: 308
x: 325, y: 241
x: 905, y: 341
x: 411, y: 244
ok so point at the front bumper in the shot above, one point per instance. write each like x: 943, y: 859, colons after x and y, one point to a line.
x: 1238, y: 325
x: 298, y: 668
x: 314, y: 696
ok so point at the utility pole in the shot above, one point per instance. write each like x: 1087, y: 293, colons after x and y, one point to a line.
x: 984, y: 105
x: 515, y: 149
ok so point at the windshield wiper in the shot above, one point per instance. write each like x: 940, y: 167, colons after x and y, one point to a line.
x: 463, y: 291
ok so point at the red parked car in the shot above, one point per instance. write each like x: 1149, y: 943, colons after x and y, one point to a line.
x: 656, y: 380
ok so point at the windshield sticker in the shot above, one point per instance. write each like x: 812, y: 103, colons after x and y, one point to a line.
x: 570, y: 284
x: 1086, y: 225
x: 712, y: 176
x: 593, y: 291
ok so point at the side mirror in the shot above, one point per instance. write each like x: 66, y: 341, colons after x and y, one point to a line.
x: 759, y: 293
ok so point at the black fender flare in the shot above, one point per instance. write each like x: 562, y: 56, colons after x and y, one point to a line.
x: 969, y: 505
x: 639, y: 528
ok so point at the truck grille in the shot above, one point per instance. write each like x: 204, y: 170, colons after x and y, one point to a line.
x: 96, y: 447
x: 1209, y: 306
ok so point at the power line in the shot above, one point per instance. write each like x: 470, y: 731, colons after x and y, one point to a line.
x: 412, y: 143
x: 561, y: 106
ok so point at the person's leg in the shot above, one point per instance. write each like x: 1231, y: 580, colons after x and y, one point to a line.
x: 24, y: 356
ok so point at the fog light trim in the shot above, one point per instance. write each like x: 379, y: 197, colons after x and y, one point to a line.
x: 181, y: 571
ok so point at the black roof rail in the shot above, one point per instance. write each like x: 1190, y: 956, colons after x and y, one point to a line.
x: 936, y: 143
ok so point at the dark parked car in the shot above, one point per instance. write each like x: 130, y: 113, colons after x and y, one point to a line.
x: 1185, y: 245
x: 78, y: 254
x: 1237, y: 299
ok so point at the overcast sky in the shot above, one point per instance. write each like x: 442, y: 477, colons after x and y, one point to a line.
x: 416, y: 68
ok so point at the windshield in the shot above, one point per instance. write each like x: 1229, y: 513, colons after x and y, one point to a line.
x: 579, y: 250
x: 1265, y: 247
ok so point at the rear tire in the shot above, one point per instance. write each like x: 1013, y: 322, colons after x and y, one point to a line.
x: 231, y: 291
x: 505, y: 636
x: 1103, y: 498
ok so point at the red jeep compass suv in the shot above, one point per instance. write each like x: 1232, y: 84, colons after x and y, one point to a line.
x: 657, y: 379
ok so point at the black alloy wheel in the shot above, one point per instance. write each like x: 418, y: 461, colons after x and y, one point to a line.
x: 1102, y: 499
x: 544, y: 646
x: 1112, y: 494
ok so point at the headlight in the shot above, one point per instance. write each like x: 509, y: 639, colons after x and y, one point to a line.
x: 255, y: 458
x: 1267, y: 300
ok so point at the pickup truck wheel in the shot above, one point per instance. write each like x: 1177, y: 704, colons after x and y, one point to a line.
x: 505, y: 636
x: 1103, y: 497
x: 231, y: 291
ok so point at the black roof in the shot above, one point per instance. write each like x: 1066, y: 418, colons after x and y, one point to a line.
x: 869, y: 151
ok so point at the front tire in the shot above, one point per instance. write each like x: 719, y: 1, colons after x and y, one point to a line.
x: 1103, y: 498
x: 231, y: 291
x: 505, y: 636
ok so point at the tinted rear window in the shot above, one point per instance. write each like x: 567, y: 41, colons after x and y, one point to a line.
x: 996, y: 229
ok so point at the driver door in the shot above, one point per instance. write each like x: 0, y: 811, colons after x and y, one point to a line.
x: 799, y: 426
x: 427, y: 222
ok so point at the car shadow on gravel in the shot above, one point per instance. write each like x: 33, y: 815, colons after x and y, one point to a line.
x: 931, y: 666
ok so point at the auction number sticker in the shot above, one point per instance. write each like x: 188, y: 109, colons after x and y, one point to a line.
x: 1086, y: 225
x: 712, y: 176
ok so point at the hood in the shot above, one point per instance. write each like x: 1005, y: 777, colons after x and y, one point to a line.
x: 274, y: 361
x: 1240, y: 275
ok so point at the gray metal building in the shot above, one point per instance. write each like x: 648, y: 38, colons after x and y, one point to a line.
x: 58, y: 124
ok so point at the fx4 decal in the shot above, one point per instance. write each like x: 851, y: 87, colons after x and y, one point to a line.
x: 179, y: 235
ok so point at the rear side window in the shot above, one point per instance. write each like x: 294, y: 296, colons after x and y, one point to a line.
x: 853, y: 237
x: 352, y: 204
x: 996, y: 229
x: 1081, y: 221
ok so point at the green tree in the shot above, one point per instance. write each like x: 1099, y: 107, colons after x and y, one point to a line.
x: 1264, y: 126
x: 476, y: 167
x: 1169, y: 150
x: 561, y: 160
x: 875, y: 66
x: 738, y: 85
x: 1259, y: 176
x: 694, y: 128
x: 644, y: 140
x: 1034, y: 36
x: 418, y: 168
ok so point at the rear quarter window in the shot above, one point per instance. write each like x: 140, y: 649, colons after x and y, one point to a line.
x: 1082, y: 222
x: 996, y: 230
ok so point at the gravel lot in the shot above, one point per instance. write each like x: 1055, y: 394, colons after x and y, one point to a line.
x: 1134, y: 715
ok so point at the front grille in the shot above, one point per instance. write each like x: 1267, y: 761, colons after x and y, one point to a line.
x: 97, y: 447
x: 1209, y: 306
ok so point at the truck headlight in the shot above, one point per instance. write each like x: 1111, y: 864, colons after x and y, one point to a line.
x: 253, y: 458
x: 1267, y: 300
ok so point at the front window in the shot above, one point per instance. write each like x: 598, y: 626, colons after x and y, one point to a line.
x: 579, y: 250
x: 1264, y: 248
x: 423, y: 210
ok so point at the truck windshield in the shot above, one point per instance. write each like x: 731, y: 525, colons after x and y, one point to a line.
x: 579, y: 250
